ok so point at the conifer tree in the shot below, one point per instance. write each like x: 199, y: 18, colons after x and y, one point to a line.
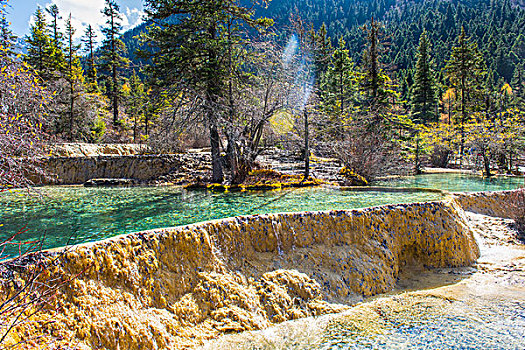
x: 423, y: 91
x: 340, y: 84
x: 375, y: 83
x: 7, y: 38
x: 57, y: 59
x: 193, y: 55
x: 135, y: 103
x: 91, y: 73
x: 74, y: 76
x: 40, y: 51
x: 465, y: 71
x: 518, y: 86
x: 322, y: 49
x: 372, y: 79
x: 56, y: 35
x: 112, y: 61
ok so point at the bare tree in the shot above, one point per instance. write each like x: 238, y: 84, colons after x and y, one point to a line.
x: 23, y: 117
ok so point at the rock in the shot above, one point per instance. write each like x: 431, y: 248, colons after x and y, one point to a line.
x: 351, y: 178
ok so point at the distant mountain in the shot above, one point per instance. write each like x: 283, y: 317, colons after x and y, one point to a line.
x: 497, y: 25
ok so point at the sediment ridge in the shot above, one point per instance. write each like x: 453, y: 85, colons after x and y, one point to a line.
x: 174, y: 288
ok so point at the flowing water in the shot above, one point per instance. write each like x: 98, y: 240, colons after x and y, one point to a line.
x: 73, y: 215
x: 475, y: 308
x: 69, y: 215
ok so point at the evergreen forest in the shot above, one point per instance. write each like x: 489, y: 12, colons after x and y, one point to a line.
x: 385, y: 87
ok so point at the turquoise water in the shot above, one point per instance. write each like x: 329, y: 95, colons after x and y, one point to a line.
x: 72, y: 215
x: 456, y: 182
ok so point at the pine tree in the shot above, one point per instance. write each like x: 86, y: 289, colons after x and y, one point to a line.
x: 374, y: 82
x: 7, y: 38
x: 74, y: 76
x: 323, y: 50
x: 57, y: 37
x: 465, y: 72
x: 135, y: 103
x: 340, y: 83
x: 55, y: 32
x: 423, y: 90
x: 518, y: 86
x: 194, y: 54
x: 91, y: 72
x: 40, y: 51
x: 372, y: 79
x: 112, y: 61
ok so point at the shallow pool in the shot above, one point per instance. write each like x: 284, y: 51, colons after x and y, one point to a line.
x: 69, y: 215
x: 456, y: 182
x: 72, y: 215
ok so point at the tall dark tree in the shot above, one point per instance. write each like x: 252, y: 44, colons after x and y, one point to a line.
x: 424, y: 100
x: 374, y: 81
x: 340, y: 82
x: 56, y: 35
x: 89, y: 41
x: 192, y: 43
x: 465, y: 71
x: 40, y: 51
x: 518, y: 85
x: 322, y: 50
x: 7, y: 38
x: 58, y: 58
x: 135, y: 103
x: 112, y: 60
x: 73, y: 75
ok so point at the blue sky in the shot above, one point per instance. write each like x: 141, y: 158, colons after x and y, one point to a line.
x: 83, y: 12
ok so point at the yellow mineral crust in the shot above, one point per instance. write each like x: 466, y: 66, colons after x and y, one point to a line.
x: 488, y: 203
x: 174, y: 288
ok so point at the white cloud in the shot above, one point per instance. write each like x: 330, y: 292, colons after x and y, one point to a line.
x: 85, y: 12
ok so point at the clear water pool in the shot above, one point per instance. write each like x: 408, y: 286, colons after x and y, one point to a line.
x: 456, y: 182
x: 72, y: 215
x: 69, y: 215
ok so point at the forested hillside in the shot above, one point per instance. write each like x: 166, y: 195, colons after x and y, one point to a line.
x: 498, y: 26
x: 380, y: 85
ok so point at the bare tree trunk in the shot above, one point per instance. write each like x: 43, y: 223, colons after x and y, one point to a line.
x: 486, y: 164
x: 217, y: 176
x: 417, y: 165
x: 306, y: 147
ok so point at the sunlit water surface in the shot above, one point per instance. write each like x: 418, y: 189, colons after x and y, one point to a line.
x: 456, y: 182
x: 77, y: 214
x: 69, y: 215
x: 72, y: 215
x: 428, y: 323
